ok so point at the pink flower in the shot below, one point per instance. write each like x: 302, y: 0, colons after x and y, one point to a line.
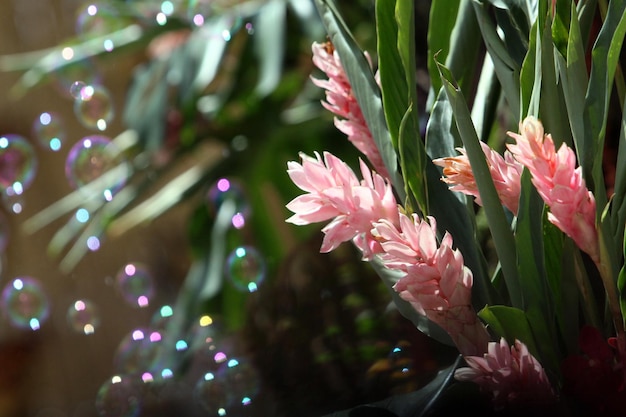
x: 559, y: 183
x: 505, y: 172
x: 334, y: 192
x: 511, y: 375
x: 341, y: 102
x: 436, y: 282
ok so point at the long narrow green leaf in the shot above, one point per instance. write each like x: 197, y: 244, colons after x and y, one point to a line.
x: 498, y: 224
x: 586, y: 11
x: 618, y: 210
x: 269, y: 39
x: 442, y: 21
x: 506, y: 68
x: 572, y: 71
x: 364, y: 86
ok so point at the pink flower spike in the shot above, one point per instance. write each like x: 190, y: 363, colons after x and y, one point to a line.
x: 436, y: 282
x: 341, y: 101
x: 559, y: 183
x: 333, y: 192
x: 505, y: 172
x: 511, y: 375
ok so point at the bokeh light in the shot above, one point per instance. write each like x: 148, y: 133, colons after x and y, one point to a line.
x: 83, y: 316
x: 18, y: 161
x: 25, y: 304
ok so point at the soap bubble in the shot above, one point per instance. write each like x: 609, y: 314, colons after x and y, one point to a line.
x: 245, y: 267
x: 93, y: 158
x: 233, y: 386
x: 136, y: 285
x: 138, y: 350
x: 49, y: 131
x: 96, y: 20
x: 228, y: 189
x: 83, y: 316
x: 119, y: 396
x: 18, y: 161
x: 25, y: 303
x: 13, y: 198
x: 94, y: 107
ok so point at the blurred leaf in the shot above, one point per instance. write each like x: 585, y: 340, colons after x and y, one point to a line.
x: 269, y: 38
x: 510, y: 323
x: 621, y: 287
x: 618, y: 209
x: 498, y: 224
x: 364, y: 86
x: 211, y: 40
x: 308, y: 17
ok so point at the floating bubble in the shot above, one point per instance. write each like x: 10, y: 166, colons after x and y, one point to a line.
x: 18, y: 161
x: 13, y: 198
x: 49, y: 131
x: 162, y: 317
x: 225, y: 189
x: 94, y: 158
x: 25, y: 303
x: 120, y: 396
x: 401, y: 362
x: 138, y: 350
x: 76, y: 89
x: 100, y: 19
x: 245, y: 267
x: 229, y: 389
x: 83, y: 316
x: 94, y: 107
x: 136, y: 285
x: 74, y: 75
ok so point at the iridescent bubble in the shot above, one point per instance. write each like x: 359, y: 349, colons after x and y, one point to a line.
x: 162, y: 317
x: 83, y: 316
x: 138, y: 350
x: 245, y: 267
x: 18, y: 161
x: 119, y: 396
x: 94, y: 107
x: 100, y: 19
x: 229, y: 389
x: 76, y: 89
x: 136, y: 285
x: 49, y: 131
x: 13, y: 198
x: 94, y: 158
x: 401, y: 362
x: 226, y: 189
x: 25, y: 303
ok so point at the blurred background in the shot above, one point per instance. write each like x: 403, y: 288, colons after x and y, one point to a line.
x: 173, y: 286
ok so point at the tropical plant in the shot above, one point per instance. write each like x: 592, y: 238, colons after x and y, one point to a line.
x: 540, y: 308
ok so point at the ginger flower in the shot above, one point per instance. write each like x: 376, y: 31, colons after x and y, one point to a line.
x: 559, y: 183
x: 505, y: 172
x: 341, y: 101
x: 436, y: 282
x: 510, y: 374
x: 333, y: 191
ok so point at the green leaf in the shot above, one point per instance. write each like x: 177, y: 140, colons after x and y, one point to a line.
x: 530, y: 263
x: 510, y: 323
x: 573, y: 74
x: 498, y: 224
x: 618, y: 209
x: 442, y: 22
x: 363, y: 85
x: 586, y: 10
x: 442, y: 138
x: 269, y: 39
x: 507, y: 69
x: 604, y: 59
x: 621, y: 287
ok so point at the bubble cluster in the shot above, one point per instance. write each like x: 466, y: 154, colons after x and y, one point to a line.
x: 25, y: 303
x: 232, y: 387
x: 93, y: 158
x: 83, y: 316
x: 223, y: 190
x: 136, y: 285
x: 94, y: 107
x: 49, y: 131
x: 245, y: 268
x: 119, y: 396
x: 18, y: 161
